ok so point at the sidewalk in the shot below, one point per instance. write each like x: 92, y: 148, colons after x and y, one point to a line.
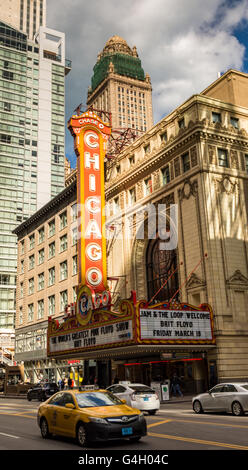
x: 171, y: 401
x: 175, y: 400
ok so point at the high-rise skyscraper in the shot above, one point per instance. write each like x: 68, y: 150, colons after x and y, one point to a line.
x: 24, y: 15
x: 120, y: 86
x: 32, y: 133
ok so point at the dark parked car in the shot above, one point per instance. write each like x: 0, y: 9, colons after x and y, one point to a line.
x: 42, y: 391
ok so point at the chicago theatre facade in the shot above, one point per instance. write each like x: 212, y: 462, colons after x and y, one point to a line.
x: 161, y: 310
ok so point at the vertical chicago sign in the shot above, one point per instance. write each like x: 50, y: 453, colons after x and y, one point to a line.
x: 90, y: 141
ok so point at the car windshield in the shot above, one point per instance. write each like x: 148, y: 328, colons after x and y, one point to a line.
x: 245, y: 386
x: 90, y: 399
x: 142, y: 389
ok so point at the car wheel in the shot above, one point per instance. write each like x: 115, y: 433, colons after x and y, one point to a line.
x: 44, y: 429
x: 135, y: 439
x: 197, y: 407
x: 82, y: 437
x: 237, y: 409
x: 152, y: 412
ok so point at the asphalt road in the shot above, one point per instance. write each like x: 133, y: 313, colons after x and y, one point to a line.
x: 174, y: 427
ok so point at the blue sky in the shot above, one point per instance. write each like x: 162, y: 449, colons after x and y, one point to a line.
x: 182, y: 44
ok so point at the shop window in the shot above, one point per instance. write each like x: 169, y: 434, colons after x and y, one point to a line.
x: 160, y: 264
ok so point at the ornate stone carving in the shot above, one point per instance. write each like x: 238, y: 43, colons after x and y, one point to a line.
x: 190, y: 188
x: 237, y: 280
x: 242, y: 159
x: 139, y: 193
x: 193, y: 156
x: 234, y: 159
x: 194, y: 281
x: 226, y: 185
x: 156, y: 180
x: 243, y: 132
x: 177, y: 167
x: 190, y: 124
x: 212, y: 155
x: 171, y: 171
x: 122, y: 200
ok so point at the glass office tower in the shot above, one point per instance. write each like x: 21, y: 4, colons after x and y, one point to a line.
x: 32, y: 132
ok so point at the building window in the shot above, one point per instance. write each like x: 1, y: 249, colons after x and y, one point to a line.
x: 246, y: 163
x: 52, y: 250
x: 216, y: 117
x: 74, y: 293
x: 116, y: 205
x: 74, y: 265
x: 186, y: 162
x: 51, y: 228
x: 31, y: 262
x: 132, y: 196
x: 31, y: 241
x: 30, y: 312
x: 63, y: 220
x: 51, y: 277
x: 41, y: 235
x: 63, y: 243
x: 147, y: 149
x: 63, y: 300
x: 234, y: 122
x: 40, y: 309
x: 147, y: 186
x: 31, y: 286
x: 22, y: 247
x: 160, y: 264
x: 181, y: 124
x: 20, y: 316
x: 21, y: 290
x: 74, y: 212
x: 131, y: 160
x: 41, y: 281
x: 223, y: 158
x: 41, y: 256
x: 165, y: 175
x: 74, y: 236
x: 63, y: 271
x: 51, y: 305
x: 118, y: 169
x: 22, y: 266
x: 163, y: 137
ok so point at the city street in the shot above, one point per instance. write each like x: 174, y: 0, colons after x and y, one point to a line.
x: 175, y: 427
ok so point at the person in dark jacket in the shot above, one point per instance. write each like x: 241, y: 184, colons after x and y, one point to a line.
x: 175, y: 385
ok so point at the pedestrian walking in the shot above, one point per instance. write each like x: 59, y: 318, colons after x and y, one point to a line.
x: 175, y: 385
x: 69, y: 382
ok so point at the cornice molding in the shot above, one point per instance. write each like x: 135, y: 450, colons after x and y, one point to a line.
x: 55, y: 202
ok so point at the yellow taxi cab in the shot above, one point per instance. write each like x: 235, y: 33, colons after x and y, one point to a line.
x: 90, y: 415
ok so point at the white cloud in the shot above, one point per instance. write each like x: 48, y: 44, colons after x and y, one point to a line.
x: 182, y: 44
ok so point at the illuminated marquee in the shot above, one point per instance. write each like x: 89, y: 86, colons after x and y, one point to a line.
x: 135, y: 323
x: 90, y: 142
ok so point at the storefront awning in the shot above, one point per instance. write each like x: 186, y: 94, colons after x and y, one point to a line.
x: 133, y: 351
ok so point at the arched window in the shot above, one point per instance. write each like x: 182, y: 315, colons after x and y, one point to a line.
x: 159, y: 265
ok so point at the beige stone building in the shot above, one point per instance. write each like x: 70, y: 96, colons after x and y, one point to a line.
x: 197, y: 159
x: 25, y: 15
x: 120, y: 87
x: 47, y: 279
